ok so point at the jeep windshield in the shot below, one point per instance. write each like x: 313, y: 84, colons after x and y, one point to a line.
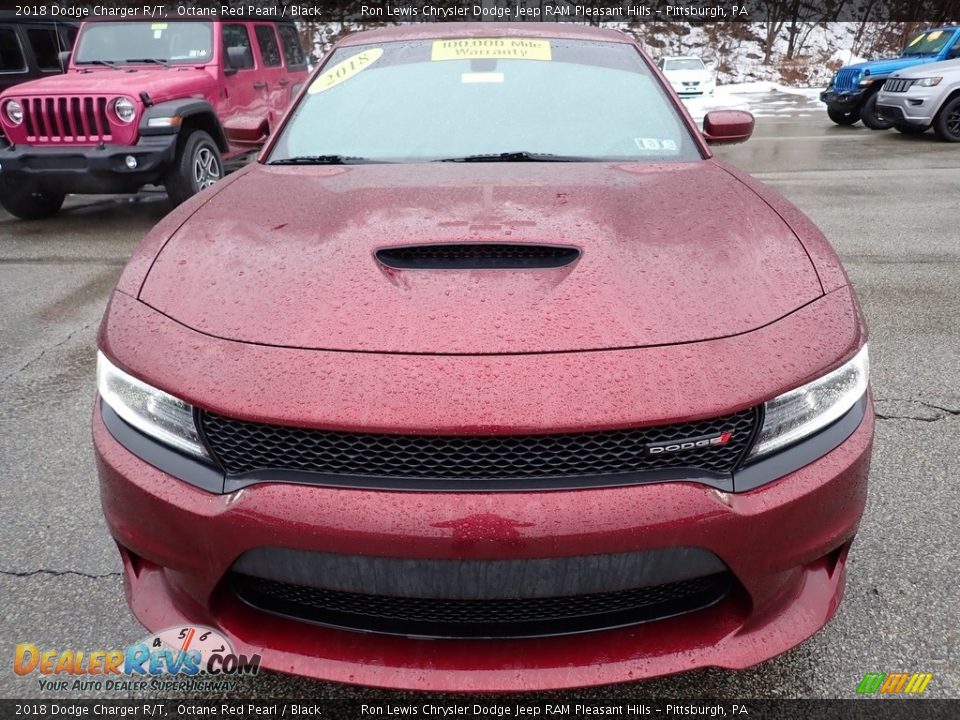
x: 928, y: 43
x: 115, y: 43
x: 485, y: 100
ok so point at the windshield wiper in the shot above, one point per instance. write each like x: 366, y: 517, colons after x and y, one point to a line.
x: 320, y: 160
x: 108, y: 63
x: 155, y: 61
x: 518, y: 156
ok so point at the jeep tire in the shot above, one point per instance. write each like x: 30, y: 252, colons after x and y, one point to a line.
x: 27, y: 203
x: 947, y: 122
x: 197, y: 166
x: 871, y: 116
x: 841, y: 117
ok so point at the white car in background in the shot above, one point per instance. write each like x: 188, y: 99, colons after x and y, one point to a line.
x: 688, y: 75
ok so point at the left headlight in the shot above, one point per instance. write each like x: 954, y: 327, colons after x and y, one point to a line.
x: 151, y: 411
x: 802, y: 412
x: 927, y: 81
x: 125, y: 109
x: 14, y: 111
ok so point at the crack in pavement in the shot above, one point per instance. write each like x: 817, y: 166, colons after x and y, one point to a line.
x: 44, y: 351
x: 58, y: 573
x: 933, y: 406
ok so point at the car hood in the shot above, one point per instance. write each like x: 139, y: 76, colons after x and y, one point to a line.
x: 160, y: 83
x: 670, y: 253
x: 885, y: 67
x: 944, y: 66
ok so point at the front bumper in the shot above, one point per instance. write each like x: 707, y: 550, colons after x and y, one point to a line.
x: 917, y: 106
x: 786, y: 543
x: 87, y: 169
x: 844, y: 102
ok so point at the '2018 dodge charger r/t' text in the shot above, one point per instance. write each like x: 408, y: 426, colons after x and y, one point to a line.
x: 487, y: 376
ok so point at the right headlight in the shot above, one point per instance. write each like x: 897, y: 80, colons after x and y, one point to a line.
x: 800, y: 413
x: 927, y: 81
x: 153, y: 412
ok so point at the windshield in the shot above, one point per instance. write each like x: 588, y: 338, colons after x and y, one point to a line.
x: 472, y: 98
x: 120, y: 42
x: 928, y: 43
x: 683, y: 64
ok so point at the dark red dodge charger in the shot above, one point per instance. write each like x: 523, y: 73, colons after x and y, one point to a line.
x: 487, y: 376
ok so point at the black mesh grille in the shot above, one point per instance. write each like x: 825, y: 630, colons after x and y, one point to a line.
x: 520, y: 617
x: 477, y: 256
x: 245, y: 447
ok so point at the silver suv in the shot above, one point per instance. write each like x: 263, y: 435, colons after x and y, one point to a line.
x: 921, y: 96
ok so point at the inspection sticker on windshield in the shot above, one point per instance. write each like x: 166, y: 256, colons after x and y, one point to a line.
x: 491, y: 49
x: 656, y: 145
x: 345, y: 70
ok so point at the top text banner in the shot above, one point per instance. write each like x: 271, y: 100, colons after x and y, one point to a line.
x: 789, y: 12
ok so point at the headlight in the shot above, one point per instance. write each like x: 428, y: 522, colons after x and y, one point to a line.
x: 152, y: 411
x: 14, y: 112
x: 866, y: 80
x: 927, y: 82
x: 124, y: 109
x: 802, y: 412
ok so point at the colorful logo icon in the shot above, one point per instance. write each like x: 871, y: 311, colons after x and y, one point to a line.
x: 894, y: 683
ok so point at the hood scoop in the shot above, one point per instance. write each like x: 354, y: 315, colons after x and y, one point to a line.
x: 477, y: 256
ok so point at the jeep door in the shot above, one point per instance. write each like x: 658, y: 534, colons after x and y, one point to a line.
x: 245, y: 110
x: 294, y: 61
x: 273, y: 75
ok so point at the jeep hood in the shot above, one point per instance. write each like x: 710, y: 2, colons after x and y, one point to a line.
x: 670, y: 253
x: 885, y: 67
x: 159, y: 82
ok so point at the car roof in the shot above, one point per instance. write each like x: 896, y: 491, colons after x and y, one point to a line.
x: 445, y: 30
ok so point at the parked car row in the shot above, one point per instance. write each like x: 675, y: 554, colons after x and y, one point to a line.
x: 173, y: 104
x: 911, y: 93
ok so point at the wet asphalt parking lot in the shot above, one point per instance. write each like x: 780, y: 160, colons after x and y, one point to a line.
x: 887, y: 202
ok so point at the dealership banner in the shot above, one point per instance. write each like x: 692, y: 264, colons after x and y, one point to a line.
x: 593, y: 11
x: 466, y: 708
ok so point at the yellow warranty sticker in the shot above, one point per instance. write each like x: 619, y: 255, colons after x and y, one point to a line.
x: 934, y: 35
x: 345, y: 70
x: 491, y: 49
x: 158, y: 26
x: 917, y: 39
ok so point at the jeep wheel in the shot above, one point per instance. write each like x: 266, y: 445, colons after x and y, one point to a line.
x: 196, y: 167
x: 843, y: 118
x: 908, y: 129
x: 947, y: 124
x: 29, y: 204
x: 871, y: 116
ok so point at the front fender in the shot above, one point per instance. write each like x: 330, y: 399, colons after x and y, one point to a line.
x: 182, y: 108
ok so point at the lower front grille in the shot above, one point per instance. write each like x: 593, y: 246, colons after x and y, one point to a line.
x: 497, y: 618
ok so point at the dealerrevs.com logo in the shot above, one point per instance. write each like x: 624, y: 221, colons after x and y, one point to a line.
x: 188, y: 657
x: 694, y: 443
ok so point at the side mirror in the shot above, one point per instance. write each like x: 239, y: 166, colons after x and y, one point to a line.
x: 64, y: 57
x: 723, y: 127
x: 239, y: 58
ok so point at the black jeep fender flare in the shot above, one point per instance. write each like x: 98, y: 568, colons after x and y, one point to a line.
x: 185, y: 109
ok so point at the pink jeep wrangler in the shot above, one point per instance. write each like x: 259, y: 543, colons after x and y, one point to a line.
x: 171, y: 103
